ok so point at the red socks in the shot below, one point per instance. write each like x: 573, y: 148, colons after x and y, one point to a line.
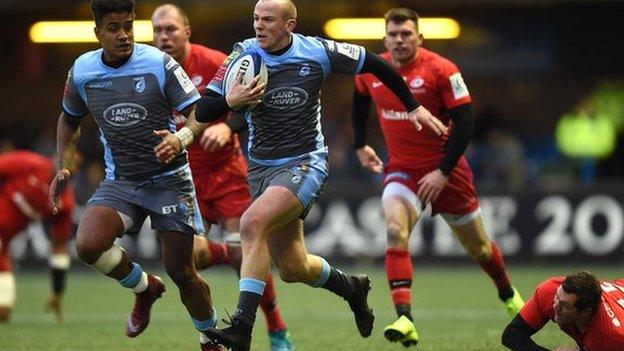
x: 218, y: 253
x: 268, y: 304
x: 495, y: 268
x: 399, y: 272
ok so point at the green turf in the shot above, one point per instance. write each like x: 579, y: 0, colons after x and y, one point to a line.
x: 455, y: 309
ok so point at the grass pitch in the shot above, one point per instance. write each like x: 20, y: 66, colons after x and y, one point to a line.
x: 455, y: 309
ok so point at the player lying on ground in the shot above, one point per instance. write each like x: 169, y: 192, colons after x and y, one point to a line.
x: 588, y: 310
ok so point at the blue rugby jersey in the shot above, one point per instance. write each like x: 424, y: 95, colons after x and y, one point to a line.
x: 128, y: 104
x: 287, y: 124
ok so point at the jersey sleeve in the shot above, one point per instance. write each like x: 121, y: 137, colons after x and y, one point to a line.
x: 216, y: 84
x: 360, y: 85
x: 73, y: 103
x: 536, y: 311
x: 344, y: 57
x: 452, y: 87
x: 179, y: 89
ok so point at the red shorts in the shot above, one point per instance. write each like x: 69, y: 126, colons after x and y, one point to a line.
x: 459, y: 197
x: 223, y: 192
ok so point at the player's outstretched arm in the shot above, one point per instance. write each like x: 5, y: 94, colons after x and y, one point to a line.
x: 219, y: 135
x: 517, y: 336
x: 359, y: 115
x: 67, y: 135
x: 392, y: 79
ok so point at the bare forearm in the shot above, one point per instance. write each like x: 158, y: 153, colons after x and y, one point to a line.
x: 67, y: 135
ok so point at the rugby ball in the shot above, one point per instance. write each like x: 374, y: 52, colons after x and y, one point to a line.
x: 248, y: 64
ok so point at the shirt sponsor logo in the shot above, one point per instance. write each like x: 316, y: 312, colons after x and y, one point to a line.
x: 459, y: 87
x: 139, y: 84
x: 170, y: 64
x: 99, y: 85
x: 349, y: 50
x: 394, y: 115
x: 184, y: 80
x: 125, y: 114
x: 285, y: 97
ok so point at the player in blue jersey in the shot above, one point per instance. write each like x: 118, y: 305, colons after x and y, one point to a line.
x: 288, y: 158
x: 130, y: 90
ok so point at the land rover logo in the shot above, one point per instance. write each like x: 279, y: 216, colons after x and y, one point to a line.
x: 125, y: 114
x: 286, y: 97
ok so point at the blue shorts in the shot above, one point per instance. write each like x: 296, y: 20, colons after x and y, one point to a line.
x: 305, y: 177
x: 168, y: 199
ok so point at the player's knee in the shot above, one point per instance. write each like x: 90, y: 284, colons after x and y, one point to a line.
x: 292, y: 273
x: 90, y: 251
x: 251, y: 227
x: 481, y: 252
x: 396, y: 236
x: 201, y: 257
x: 181, y: 276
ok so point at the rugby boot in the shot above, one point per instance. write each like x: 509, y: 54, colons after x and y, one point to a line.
x: 236, y: 337
x: 281, y: 340
x: 211, y: 346
x: 514, y: 304
x: 364, y: 317
x: 402, y: 330
x: 140, y: 317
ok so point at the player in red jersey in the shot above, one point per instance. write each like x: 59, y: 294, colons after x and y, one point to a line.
x: 217, y: 163
x: 588, y: 310
x: 24, y: 182
x: 423, y: 167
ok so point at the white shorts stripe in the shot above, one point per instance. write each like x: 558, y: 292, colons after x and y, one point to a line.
x: 399, y: 189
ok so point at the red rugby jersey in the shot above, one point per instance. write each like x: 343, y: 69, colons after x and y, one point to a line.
x: 201, y: 65
x: 24, y: 183
x: 606, y: 330
x: 438, y: 85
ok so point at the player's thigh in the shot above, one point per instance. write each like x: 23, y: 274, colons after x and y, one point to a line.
x: 177, y: 250
x: 5, y: 256
x: 401, y: 207
x: 98, y: 228
x: 112, y: 210
x: 471, y: 232
x: 276, y: 207
x: 287, y: 246
x: 304, y: 178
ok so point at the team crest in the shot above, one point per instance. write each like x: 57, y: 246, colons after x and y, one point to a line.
x: 197, y: 80
x: 417, y: 82
x: 139, y: 84
x: 305, y: 70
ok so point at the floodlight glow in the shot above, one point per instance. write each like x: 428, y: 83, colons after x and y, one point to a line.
x: 375, y: 28
x: 80, y: 31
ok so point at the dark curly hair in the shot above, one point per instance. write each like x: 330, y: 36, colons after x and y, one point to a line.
x: 101, y: 8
